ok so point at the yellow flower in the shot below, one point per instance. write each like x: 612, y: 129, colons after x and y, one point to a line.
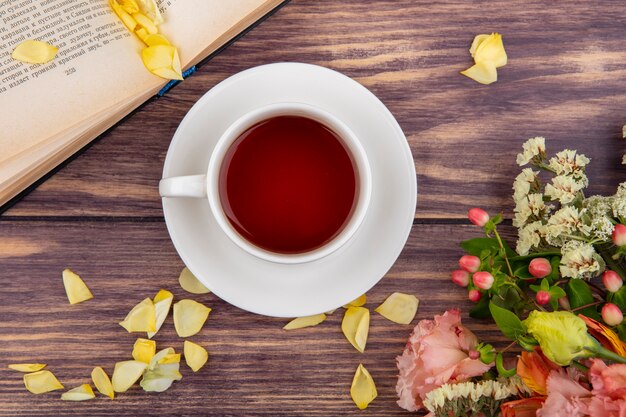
x: 562, y: 335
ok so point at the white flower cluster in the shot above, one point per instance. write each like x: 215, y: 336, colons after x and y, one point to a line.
x: 600, y: 211
x: 580, y: 260
x: 533, y: 150
x: 440, y: 399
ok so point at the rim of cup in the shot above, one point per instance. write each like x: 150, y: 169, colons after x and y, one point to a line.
x: 352, y: 145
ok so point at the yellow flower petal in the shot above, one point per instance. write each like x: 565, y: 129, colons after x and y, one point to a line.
x: 130, y: 6
x: 491, y: 50
x: 41, y: 381
x: 308, y: 321
x: 355, y: 326
x: 483, y: 72
x: 162, y: 303
x: 189, y: 317
x: 27, y: 367
x: 142, y: 318
x: 144, y: 350
x: 150, y: 9
x: 126, y: 373
x: 143, y: 21
x: 102, y: 382
x: 195, y: 355
x: 126, y: 18
x: 169, y: 358
x: 34, y: 52
x: 363, y: 390
x: 357, y: 302
x: 76, y: 290
x: 478, y: 39
x: 162, y: 60
x: 80, y: 393
x: 190, y: 283
x: 155, y: 39
x: 399, y: 308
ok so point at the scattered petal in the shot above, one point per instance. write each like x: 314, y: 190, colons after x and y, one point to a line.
x: 151, y: 9
x: 42, y: 381
x: 190, y: 283
x: 355, y: 326
x: 27, y: 367
x: 75, y: 288
x: 126, y: 18
x: 126, y: 373
x: 189, y: 317
x: 144, y: 22
x: 478, y: 39
x: 491, y: 50
x: 162, y: 60
x: 102, y: 382
x: 130, y: 6
x: 34, y: 52
x: 308, y: 321
x: 363, y: 390
x: 169, y: 358
x: 162, y: 303
x: 161, y: 354
x: 144, y: 350
x: 357, y: 302
x: 399, y: 308
x: 157, y: 39
x: 483, y: 72
x: 80, y: 393
x: 142, y: 318
x: 195, y: 355
x: 162, y: 371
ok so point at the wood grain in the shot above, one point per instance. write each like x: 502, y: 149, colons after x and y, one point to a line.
x: 255, y: 368
x: 565, y: 80
x: 101, y: 214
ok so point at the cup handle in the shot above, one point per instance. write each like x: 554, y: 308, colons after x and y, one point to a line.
x: 185, y: 186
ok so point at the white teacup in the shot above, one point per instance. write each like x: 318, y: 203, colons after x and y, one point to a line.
x: 207, y: 185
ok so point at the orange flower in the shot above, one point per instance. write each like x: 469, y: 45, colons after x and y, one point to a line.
x: 607, y: 337
x: 526, y: 407
x: 534, y: 368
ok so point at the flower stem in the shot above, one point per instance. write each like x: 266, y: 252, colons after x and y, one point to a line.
x: 602, y: 352
x: 595, y: 303
x: 506, y: 258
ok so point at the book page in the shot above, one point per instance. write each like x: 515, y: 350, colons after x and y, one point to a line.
x: 98, y: 64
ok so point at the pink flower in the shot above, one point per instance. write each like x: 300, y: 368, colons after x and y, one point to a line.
x: 539, y: 267
x: 469, y: 263
x: 478, y: 216
x: 437, y: 352
x: 566, y: 397
x: 619, y: 235
x: 609, y: 389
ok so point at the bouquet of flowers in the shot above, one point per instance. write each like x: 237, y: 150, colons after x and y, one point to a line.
x: 545, y: 296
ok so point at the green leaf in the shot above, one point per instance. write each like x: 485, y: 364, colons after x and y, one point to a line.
x: 481, y: 309
x: 521, y: 271
x: 619, y: 298
x: 535, y: 288
x: 555, y: 261
x: 621, y: 331
x: 477, y: 245
x: 557, y: 292
x: 510, y: 325
x: 502, y: 371
x: 545, y: 285
x: 579, y: 294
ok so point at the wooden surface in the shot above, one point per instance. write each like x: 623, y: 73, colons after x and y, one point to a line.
x: 101, y: 214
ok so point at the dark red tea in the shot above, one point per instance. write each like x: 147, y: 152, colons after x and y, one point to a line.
x: 288, y: 184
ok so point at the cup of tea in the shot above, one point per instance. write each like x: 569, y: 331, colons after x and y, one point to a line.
x: 286, y: 182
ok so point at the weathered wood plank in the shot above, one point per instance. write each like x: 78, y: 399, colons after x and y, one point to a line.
x: 565, y: 80
x: 255, y: 368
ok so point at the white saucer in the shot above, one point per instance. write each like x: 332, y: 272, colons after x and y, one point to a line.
x: 297, y: 290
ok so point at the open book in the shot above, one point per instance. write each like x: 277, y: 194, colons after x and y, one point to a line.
x: 52, y: 110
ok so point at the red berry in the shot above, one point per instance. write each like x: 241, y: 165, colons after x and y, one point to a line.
x: 539, y: 267
x: 619, y: 235
x: 469, y: 263
x: 483, y: 280
x: 478, y: 216
x: 611, y: 314
x: 460, y: 277
x: 542, y: 297
x: 612, y: 281
x: 474, y: 295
